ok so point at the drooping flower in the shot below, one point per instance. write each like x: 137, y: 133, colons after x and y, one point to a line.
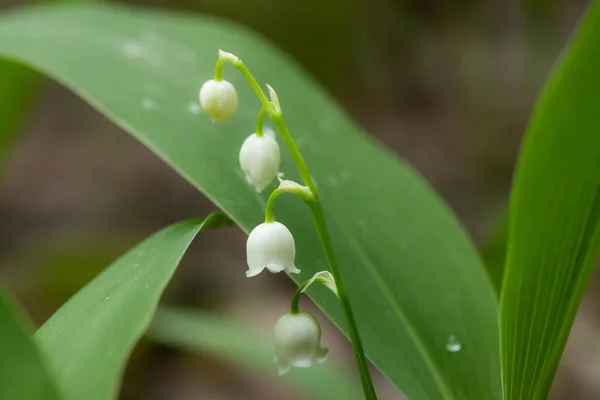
x: 298, y: 342
x: 218, y: 99
x: 271, y: 246
x: 259, y: 160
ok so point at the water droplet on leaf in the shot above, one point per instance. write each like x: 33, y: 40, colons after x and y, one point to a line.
x: 194, y: 108
x: 132, y: 50
x: 453, y: 344
x: 148, y: 104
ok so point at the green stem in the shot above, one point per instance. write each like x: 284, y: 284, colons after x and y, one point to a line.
x: 294, y: 309
x: 269, y: 214
x: 255, y: 86
x: 359, y: 352
x: 322, y: 230
x: 269, y: 209
x: 296, y: 155
x: 219, y: 70
x: 259, y: 121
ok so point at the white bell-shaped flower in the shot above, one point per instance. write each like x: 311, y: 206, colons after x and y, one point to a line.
x: 218, y: 99
x: 298, y: 342
x: 271, y: 246
x: 259, y: 160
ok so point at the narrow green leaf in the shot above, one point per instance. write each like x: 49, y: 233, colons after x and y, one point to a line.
x: 414, y: 278
x: 210, y: 334
x: 24, y: 374
x: 554, y: 234
x: 494, y: 252
x: 89, y: 339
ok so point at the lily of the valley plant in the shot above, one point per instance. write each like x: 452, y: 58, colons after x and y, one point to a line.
x: 271, y: 245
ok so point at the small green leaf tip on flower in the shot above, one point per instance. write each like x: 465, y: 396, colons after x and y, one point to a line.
x: 271, y: 246
x: 225, y: 56
x: 218, y: 99
x: 274, y: 99
x: 298, y: 342
x: 295, y: 187
x: 325, y: 278
x: 259, y: 160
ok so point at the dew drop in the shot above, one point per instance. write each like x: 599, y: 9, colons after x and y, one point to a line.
x: 132, y: 50
x: 194, y: 108
x: 135, y: 265
x: 333, y: 181
x: 453, y: 344
x: 148, y: 104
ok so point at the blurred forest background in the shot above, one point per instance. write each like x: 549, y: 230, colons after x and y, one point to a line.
x: 448, y: 85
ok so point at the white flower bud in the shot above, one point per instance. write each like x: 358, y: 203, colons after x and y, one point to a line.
x: 218, y: 99
x: 271, y: 246
x: 259, y: 160
x: 298, y: 342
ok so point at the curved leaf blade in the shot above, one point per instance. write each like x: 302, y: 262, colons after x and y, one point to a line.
x: 205, y: 333
x: 88, y: 340
x: 402, y: 252
x: 23, y: 371
x: 18, y: 88
x: 494, y: 251
x: 554, y: 234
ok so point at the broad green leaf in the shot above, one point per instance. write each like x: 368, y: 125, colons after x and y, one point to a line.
x: 214, y: 335
x: 24, y: 374
x: 88, y: 340
x: 554, y: 234
x: 414, y: 278
x: 18, y: 85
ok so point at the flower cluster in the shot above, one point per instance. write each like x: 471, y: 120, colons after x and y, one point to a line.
x: 270, y: 245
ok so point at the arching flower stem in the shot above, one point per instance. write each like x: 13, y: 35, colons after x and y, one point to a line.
x: 274, y: 111
x: 259, y: 121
